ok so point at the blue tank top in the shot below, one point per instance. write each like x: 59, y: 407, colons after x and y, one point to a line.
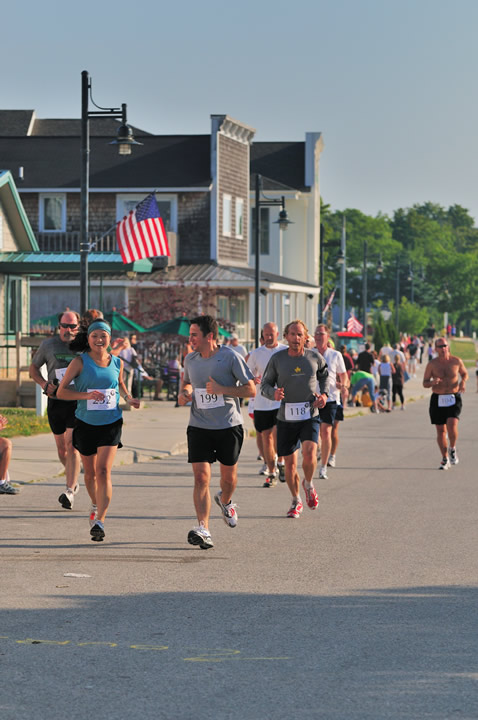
x: 94, y: 377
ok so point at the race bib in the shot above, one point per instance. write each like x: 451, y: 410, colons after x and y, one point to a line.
x: 294, y: 412
x: 446, y: 400
x: 208, y: 401
x: 60, y: 374
x: 108, y: 403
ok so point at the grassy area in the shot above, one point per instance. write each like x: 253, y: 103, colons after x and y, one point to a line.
x: 23, y: 421
x: 465, y: 349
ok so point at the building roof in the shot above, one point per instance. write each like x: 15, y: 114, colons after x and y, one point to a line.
x: 15, y: 213
x: 282, y: 165
x: 164, y: 161
x: 221, y: 275
x: 40, y: 263
x: 24, y: 123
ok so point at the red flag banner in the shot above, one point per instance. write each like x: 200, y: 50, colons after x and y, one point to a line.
x: 141, y: 233
x: 353, y: 325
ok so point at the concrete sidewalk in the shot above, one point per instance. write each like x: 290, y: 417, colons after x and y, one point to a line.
x: 155, y: 432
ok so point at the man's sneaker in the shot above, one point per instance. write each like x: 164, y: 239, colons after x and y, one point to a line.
x: 270, y: 480
x: 7, y: 489
x: 311, y: 497
x: 331, y: 461
x: 67, y: 498
x: 92, y: 515
x: 264, y: 469
x: 445, y: 463
x: 323, y: 472
x: 229, y: 513
x: 295, y: 509
x: 453, y: 457
x: 76, y: 488
x: 200, y: 536
x: 281, y: 468
x: 97, y: 532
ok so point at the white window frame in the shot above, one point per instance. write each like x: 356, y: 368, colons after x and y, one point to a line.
x: 239, y: 219
x: 41, y: 211
x: 226, y: 216
x: 137, y: 197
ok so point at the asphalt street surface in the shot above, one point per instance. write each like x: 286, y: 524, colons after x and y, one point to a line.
x: 364, y: 609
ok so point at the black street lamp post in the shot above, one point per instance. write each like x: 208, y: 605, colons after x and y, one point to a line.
x: 379, y: 269
x: 283, y: 223
x: 124, y: 140
x: 340, y: 259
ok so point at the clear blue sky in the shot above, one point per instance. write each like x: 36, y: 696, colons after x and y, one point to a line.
x: 392, y: 84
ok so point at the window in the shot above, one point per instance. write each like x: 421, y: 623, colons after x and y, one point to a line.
x: 263, y: 231
x: 53, y: 212
x: 167, y: 205
x: 233, y: 310
x: 226, y: 215
x: 13, y: 314
x: 239, y: 217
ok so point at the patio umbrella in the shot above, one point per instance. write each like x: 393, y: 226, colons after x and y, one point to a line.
x: 121, y: 323
x: 179, y: 326
x: 50, y: 321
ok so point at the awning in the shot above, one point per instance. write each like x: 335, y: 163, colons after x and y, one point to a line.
x: 40, y: 263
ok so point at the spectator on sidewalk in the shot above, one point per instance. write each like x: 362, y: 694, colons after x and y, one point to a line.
x: 397, y: 382
x: 5, y: 455
x: 386, y: 371
x: 366, y: 359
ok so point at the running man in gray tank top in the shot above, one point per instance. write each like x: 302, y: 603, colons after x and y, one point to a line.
x: 215, y: 377
x: 291, y: 377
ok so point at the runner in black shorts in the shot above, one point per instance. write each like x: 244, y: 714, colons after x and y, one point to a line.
x: 56, y: 354
x: 291, y: 377
x: 446, y: 375
x: 210, y: 384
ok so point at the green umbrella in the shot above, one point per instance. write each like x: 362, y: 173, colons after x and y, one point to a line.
x: 50, y: 321
x: 180, y: 326
x: 121, y: 323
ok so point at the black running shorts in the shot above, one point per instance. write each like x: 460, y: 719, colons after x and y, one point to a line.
x: 265, y: 419
x: 439, y: 415
x: 88, y: 438
x: 328, y: 414
x: 61, y: 415
x: 339, y: 413
x: 291, y: 434
x: 211, y: 445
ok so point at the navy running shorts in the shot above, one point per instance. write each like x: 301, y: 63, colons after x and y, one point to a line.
x: 291, y: 434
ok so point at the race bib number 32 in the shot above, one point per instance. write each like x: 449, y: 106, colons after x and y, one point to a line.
x: 294, y: 412
x: 207, y: 401
x: 108, y: 403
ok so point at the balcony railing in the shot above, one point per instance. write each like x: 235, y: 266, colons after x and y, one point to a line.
x: 70, y: 242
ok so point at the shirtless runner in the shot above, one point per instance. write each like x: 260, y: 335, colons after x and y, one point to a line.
x: 446, y: 375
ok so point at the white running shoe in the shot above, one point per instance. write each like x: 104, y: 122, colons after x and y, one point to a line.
x: 200, y: 536
x: 93, y: 515
x: 67, y: 499
x: 453, y: 457
x: 229, y: 513
x: 331, y: 461
x: 323, y: 472
x: 445, y: 463
x: 264, y: 469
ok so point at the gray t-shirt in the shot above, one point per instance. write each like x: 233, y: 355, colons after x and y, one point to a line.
x: 298, y: 375
x: 215, y: 412
x: 57, y: 356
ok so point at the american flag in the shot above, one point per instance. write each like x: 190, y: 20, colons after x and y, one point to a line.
x: 141, y: 233
x: 353, y: 325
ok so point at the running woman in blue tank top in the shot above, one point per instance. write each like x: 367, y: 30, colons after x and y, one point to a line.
x: 98, y: 378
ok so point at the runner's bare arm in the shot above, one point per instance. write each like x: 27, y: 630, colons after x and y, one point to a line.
x: 185, y: 395
x: 124, y: 390
x: 248, y: 390
x: 464, y: 376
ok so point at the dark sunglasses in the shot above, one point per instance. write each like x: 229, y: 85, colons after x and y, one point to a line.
x: 441, y: 346
x: 72, y: 326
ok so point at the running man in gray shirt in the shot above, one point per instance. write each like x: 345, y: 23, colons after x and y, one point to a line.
x: 215, y: 377
x: 291, y: 377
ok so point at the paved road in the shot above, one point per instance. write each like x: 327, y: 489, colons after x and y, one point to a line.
x: 366, y: 609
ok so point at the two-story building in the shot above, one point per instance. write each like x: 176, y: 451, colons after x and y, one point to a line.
x: 203, y: 187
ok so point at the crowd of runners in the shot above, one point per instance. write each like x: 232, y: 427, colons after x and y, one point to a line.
x: 296, y: 396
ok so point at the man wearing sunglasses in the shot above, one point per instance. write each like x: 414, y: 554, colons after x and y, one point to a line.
x: 54, y: 352
x: 446, y: 375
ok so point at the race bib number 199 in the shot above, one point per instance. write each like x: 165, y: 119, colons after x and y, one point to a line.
x: 295, y: 412
x: 207, y: 401
x: 108, y: 403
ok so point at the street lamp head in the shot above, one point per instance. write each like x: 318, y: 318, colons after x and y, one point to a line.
x: 380, y: 265
x: 125, y: 139
x: 283, y: 222
x: 340, y: 257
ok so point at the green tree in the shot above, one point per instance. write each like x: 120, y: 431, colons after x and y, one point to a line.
x: 412, y: 318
